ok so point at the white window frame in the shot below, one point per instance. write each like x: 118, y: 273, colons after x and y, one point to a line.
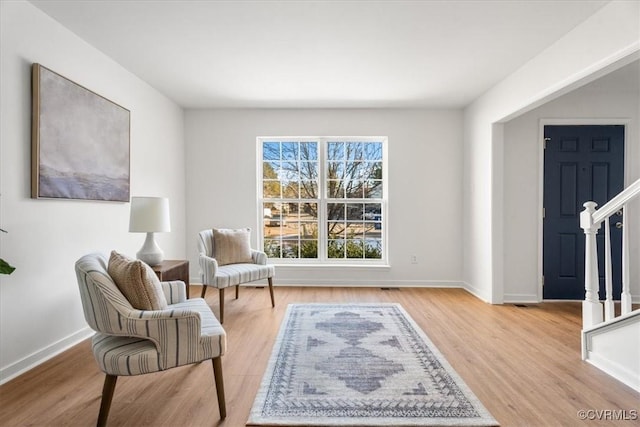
x: 323, y: 200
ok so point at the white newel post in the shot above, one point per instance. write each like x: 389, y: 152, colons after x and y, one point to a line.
x: 591, y: 306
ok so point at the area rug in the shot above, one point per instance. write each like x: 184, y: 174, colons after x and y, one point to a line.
x: 360, y: 365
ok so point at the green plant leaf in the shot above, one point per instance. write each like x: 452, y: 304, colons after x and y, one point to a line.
x: 5, y: 268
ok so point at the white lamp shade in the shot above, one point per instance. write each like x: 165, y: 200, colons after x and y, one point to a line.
x: 149, y: 214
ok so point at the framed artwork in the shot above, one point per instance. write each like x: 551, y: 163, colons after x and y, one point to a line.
x: 80, y: 143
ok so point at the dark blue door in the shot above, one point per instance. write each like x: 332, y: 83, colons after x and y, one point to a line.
x: 581, y: 163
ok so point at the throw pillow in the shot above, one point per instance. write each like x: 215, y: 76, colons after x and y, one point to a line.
x: 137, y: 282
x: 232, y: 246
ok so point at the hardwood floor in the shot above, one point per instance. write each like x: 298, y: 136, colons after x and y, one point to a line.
x: 523, y: 363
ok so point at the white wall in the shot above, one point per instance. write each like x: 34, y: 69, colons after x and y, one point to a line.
x: 40, y: 310
x: 425, y: 184
x: 607, y: 40
x: 615, y: 96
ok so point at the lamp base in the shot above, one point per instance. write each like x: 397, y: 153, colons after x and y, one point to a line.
x: 150, y: 253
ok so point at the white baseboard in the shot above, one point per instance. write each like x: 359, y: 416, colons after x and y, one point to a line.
x: 616, y: 370
x: 475, y: 292
x: 358, y: 283
x: 368, y: 283
x: 521, y: 298
x: 10, y: 372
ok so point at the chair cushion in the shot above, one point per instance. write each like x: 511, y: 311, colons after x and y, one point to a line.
x: 123, y: 355
x: 137, y: 282
x: 118, y: 355
x: 232, y: 246
x: 235, y: 274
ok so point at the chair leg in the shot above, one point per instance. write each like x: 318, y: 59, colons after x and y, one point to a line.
x: 204, y: 290
x: 237, y: 291
x: 221, y: 305
x: 107, y: 395
x: 273, y: 301
x: 217, y: 375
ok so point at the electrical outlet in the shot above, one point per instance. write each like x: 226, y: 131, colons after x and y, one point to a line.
x: 414, y: 259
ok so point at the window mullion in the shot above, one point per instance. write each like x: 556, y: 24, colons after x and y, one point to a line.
x: 359, y: 156
x: 322, y: 202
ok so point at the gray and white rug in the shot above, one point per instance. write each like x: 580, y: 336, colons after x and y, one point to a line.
x: 360, y: 365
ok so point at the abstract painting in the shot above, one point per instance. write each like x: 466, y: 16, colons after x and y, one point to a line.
x: 80, y: 141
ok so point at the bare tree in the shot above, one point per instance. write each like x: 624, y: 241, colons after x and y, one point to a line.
x: 353, y: 171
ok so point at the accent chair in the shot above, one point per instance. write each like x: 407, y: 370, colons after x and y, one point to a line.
x: 226, y: 259
x: 129, y: 341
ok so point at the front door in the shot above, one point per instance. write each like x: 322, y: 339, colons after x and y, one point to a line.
x: 581, y: 163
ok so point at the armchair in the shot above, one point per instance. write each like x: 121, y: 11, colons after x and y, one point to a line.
x: 222, y: 275
x: 135, y: 342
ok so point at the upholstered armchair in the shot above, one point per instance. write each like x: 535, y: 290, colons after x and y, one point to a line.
x: 226, y: 259
x: 129, y: 341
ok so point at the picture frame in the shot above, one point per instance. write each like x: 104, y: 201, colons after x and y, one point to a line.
x: 80, y: 141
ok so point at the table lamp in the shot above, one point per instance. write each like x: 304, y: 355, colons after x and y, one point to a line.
x: 149, y: 215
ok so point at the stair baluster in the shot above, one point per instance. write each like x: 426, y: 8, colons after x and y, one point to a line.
x: 590, y: 221
x: 626, y: 275
x: 609, y: 308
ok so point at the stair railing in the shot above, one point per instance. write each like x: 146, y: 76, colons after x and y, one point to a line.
x: 590, y: 221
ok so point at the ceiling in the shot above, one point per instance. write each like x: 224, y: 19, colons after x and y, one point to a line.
x: 321, y: 54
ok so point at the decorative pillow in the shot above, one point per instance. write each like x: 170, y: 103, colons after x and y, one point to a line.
x: 137, y: 282
x: 232, y: 246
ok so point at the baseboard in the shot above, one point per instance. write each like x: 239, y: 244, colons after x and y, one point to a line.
x: 475, y: 292
x: 521, y: 298
x: 31, y: 361
x: 368, y: 283
x: 358, y: 283
x: 616, y: 370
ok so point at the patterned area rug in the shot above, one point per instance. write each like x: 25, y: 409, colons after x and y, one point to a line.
x: 360, y: 365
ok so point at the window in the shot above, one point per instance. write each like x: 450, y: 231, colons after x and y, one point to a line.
x: 323, y: 199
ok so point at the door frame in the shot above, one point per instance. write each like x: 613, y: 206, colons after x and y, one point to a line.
x: 568, y: 122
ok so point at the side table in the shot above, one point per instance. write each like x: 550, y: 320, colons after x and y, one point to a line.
x: 173, y: 269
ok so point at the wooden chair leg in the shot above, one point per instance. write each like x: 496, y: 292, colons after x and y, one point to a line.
x: 204, y: 290
x: 107, y: 395
x: 217, y: 375
x: 273, y: 301
x: 237, y: 291
x: 221, y: 293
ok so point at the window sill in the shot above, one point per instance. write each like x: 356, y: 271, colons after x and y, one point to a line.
x: 325, y: 265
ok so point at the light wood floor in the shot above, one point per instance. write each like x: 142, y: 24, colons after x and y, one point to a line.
x: 523, y: 363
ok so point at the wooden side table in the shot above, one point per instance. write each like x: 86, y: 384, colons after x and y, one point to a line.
x: 173, y: 269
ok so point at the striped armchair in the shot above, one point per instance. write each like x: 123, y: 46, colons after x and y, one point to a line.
x: 223, y: 276
x: 135, y: 342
